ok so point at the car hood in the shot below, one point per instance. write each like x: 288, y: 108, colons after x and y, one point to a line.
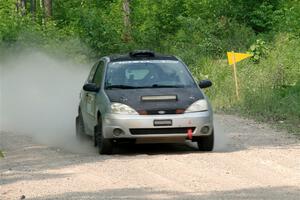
x: 163, y: 103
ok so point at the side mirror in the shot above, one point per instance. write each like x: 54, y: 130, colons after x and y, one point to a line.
x: 205, y: 83
x: 91, y: 87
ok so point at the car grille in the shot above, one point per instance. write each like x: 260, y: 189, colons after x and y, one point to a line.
x: 147, y: 131
x: 161, y: 112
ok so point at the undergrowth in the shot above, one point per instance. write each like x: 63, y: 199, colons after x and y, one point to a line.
x: 269, y: 89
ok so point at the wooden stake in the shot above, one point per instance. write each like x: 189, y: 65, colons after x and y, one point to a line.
x: 235, y: 77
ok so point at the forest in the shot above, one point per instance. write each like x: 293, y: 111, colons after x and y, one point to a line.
x: 200, y: 32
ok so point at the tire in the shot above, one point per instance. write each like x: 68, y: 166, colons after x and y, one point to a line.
x: 105, y: 146
x: 206, y: 143
x: 80, y: 134
x: 95, y: 139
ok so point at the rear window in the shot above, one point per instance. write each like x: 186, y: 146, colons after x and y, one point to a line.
x: 148, y: 74
x: 136, y: 74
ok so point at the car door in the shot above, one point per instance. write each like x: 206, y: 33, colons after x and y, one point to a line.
x: 84, y: 98
x: 90, y: 97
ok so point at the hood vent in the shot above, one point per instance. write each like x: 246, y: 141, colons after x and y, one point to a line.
x: 142, y: 54
x: 160, y: 98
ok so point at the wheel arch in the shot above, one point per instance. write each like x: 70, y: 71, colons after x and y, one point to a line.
x: 98, y: 115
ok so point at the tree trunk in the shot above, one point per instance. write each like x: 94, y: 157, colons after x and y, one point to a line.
x: 32, y: 6
x: 21, y: 6
x: 127, y: 22
x: 48, y: 8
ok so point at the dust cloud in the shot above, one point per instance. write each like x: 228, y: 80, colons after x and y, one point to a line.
x: 39, y: 96
x: 221, y: 136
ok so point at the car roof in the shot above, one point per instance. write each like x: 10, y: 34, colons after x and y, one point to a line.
x: 140, y: 55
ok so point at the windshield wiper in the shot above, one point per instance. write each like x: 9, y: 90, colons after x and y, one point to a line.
x: 167, y: 86
x: 140, y: 87
x: 121, y: 87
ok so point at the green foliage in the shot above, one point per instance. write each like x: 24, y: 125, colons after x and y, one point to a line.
x: 207, y: 28
x: 287, y: 17
x: 211, y: 38
x: 9, y: 23
x: 259, y: 50
x: 261, y: 17
x: 270, y: 89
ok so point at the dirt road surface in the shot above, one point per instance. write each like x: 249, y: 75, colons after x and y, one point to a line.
x: 251, y: 161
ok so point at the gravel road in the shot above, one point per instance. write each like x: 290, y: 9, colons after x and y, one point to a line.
x: 251, y: 161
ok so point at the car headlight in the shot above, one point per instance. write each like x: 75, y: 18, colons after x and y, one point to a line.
x: 198, y: 106
x: 119, y: 108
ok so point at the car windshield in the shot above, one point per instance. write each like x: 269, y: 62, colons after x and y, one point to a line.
x: 148, y: 74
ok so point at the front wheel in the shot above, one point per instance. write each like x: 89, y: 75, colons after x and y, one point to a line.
x: 206, y: 143
x: 105, y: 145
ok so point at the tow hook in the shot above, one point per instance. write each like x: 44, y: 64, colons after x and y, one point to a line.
x: 190, y: 134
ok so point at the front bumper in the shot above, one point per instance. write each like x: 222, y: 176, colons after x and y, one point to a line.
x: 126, y: 123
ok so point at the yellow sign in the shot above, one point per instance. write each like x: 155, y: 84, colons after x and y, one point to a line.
x: 233, y: 58
x: 236, y: 57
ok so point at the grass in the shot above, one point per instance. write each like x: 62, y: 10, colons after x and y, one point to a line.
x: 269, y: 90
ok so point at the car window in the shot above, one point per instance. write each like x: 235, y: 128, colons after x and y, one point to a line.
x: 148, y: 74
x: 136, y: 74
x: 92, y: 73
x: 99, y: 74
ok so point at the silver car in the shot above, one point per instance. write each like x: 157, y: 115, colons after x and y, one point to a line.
x: 144, y: 97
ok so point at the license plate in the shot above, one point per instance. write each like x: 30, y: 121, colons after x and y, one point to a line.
x: 162, y: 122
